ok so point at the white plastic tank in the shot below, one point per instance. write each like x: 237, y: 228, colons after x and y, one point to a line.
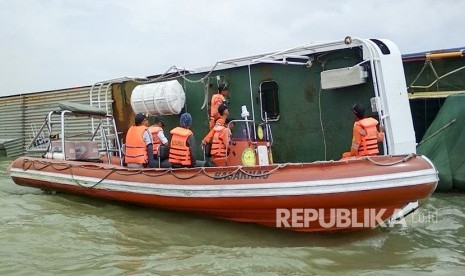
x: 159, y: 98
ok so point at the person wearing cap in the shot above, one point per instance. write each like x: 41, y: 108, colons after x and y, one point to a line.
x: 219, y: 136
x: 139, y: 144
x: 182, y: 147
x: 216, y: 101
x: 365, y: 135
x: 158, y: 136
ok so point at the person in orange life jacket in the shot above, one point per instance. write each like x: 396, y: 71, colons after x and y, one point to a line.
x: 139, y: 147
x: 158, y: 136
x: 182, y: 146
x: 216, y: 101
x: 220, y: 135
x: 365, y: 134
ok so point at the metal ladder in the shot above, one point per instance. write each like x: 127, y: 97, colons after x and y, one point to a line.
x: 99, y: 97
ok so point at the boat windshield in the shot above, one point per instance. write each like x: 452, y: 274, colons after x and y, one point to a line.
x: 250, y: 130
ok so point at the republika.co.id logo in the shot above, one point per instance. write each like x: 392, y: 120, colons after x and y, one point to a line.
x: 347, y: 218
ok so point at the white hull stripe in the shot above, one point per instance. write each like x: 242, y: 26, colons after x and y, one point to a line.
x: 309, y: 187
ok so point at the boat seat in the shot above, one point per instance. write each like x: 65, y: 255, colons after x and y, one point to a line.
x: 163, y: 154
x: 207, y: 150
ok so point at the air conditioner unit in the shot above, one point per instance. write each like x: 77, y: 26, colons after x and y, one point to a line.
x: 343, y: 77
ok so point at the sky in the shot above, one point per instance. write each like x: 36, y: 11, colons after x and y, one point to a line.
x: 56, y: 44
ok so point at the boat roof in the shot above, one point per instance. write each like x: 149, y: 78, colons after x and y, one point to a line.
x: 424, y: 55
x: 83, y: 109
x: 296, y: 55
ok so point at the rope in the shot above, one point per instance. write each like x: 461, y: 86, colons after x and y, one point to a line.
x: 403, y: 160
x: 429, y: 63
x: 28, y: 164
x: 221, y: 176
x: 180, y: 73
x: 437, y: 131
x: 155, y: 175
x: 240, y: 168
x: 32, y: 163
x: 265, y: 173
x: 185, y: 178
x: 195, y: 81
x: 91, y: 186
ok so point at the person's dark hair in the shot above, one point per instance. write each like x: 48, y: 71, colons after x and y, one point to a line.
x: 359, y: 111
x: 139, y: 118
x: 159, y: 120
x: 223, y: 86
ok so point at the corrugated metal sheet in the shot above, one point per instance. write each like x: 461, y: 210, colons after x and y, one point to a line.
x: 12, y: 147
x: 11, y: 113
x: 23, y: 113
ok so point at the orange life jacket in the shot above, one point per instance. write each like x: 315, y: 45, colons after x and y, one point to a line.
x: 179, y: 151
x: 136, y: 149
x: 220, y: 140
x: 217, y: 100
x: 156, y: 141
x: 369, y: 133
x: 209, y: 137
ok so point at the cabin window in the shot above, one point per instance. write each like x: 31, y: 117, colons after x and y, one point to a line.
x: 383, y: 47
x: 269, y: 100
